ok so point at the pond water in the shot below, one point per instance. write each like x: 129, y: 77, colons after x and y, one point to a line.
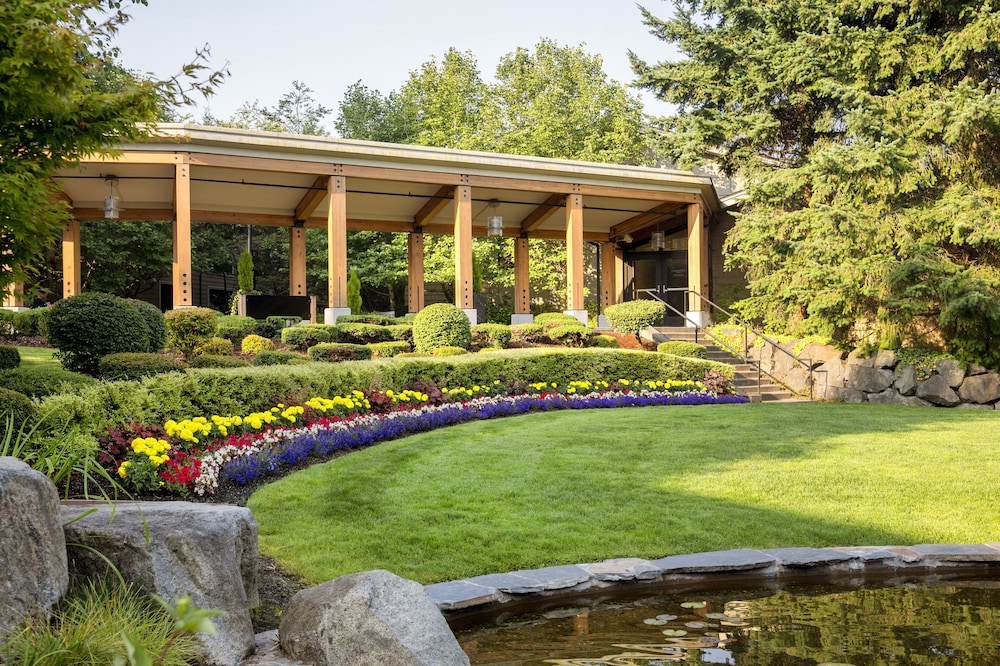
x: 951, y: 622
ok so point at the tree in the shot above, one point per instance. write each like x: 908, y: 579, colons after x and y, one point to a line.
x: 53, y: 111
x: 369, y: 115
x: 296, y: 113
x: 869, y: 134
x: 123, y: 258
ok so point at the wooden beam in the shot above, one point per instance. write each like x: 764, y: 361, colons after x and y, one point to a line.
x: 297, y: 261
x: 415, y: 271
x: 264, y: 164
x: 611, y: 256
x: 652, y: 194
x: 434, y: 205
x: 183, y: 296
x: 522, y: 282
x: 311, y: 200
x: 544, y: 211
x: 337, y: 240
x: 71, y: 258
x: 463, y: 248
x: 641, y: 220
x: 697, y: 243
x: 574, y: 252
x: 138, y: 157
x: 546, y: 234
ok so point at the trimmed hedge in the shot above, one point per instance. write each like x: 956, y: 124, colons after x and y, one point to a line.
x: 441, y: 325
x: 188, y: 327
x: 154, y: 322
x: 214, y: 346
x: 271, y: 327
x: 37, y: 381
x: 234, y: 327
x: 16, y: 409
x: 300, y: 338
x: 549, y: 320
x: 571, y: 335
x: 255, y: 344
x: 216, y: 361
x: 27, y: 323
x: 390, y: 349
x: 491, y: 335
x: 606, y: 341
x: 401, y: 332
x: 377, y: 319
x: 131, y: 365
x: 529, y: 333
x: 10, y: 358
x: 89, y: 326
x: 279, y: 357
x: 634, y: 316
x: 364, y: 334
x: 449, y: 351
x: 335, y: 352
x: 682, y: 348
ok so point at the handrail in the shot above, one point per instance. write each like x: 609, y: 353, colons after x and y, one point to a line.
x: 747, y: 329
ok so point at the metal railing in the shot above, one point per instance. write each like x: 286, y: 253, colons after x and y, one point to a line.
x: 744, y: 355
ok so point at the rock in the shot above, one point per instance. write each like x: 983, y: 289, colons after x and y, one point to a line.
x: 207, y: 551
x: 972, y: 405
x: 906, y: 379
x: 829, y: 376
x: 937, y: 391
x: 892, y: 397
x: 34, y: 575
x: 975, y: 369
x: 371, y: 618
x: 820, y: 354
x: 852, y: 395
x: 981, y: 388
x: 885, y: 358
x: 952, y: 371
x: 869, y: 380
x: 854, y: 358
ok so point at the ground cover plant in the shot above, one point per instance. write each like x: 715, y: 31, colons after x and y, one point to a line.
x: 568, y: 487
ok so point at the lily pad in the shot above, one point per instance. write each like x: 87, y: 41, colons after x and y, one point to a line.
x: 674, y: 632
x: 655, y: 621
x: 693, y: 604
x: 715, y: 616
x: 696, y: 625
x: 665, y: 617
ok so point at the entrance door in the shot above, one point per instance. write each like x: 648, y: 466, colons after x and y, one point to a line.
x: 663, y: 273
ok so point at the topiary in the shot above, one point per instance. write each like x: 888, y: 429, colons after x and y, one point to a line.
x: 441, y: 325
x: 154, y: 321
x: 389, y: 349
x: 401, y: 331
x: 548, y: 320
x: 302, y: 337
x: 635, y: 316
x: 528, y: 333
x: 89, y: 326
x: 215, y: 361
x: 377, y: 319
x: 255, y: 344
x: 272, y: 326
x: 136, y: 365
x: 235, y: 327
x: 492, y: 335
x: 37, y: 381
x: 214, y: 346
x: 571, y: 335
x: 682, y: 348
x: 278, y: 357
x: 449, y: 351
x: 334, y: 352
x: 17, y: 410
x: 607, y: 341
x: 188, y: 327
x: 10, y: 358
x: 364, y: 334
x: 354, y: 293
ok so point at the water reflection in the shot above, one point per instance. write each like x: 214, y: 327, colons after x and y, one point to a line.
x: 944, y: 624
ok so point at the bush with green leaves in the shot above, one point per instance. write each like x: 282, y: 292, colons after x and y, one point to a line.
x: 136, y: 365
x: 449, y: 351
x: 217, y: 361
x: 272, y: 326
x: 304, y: 336
x: 548, y: 320
x: 27, y: 323
x: 87, y: 327
x: 529, y: 333
x: 401, y: 331
x: 17, y: 409
x: 334, y: 352
x: 441, y: 325
x: 682, y: 348
x: 633, y: 317
x: 216, y: 346
x: 364, y: 334
x: 235, y: 327
x: 154, y: 321
x: 606, y: 341
x: 571, y: 335
x: 255, y: 344
x: 279, y: 357
x: 36, y: 381
x: 354, y: 293
x: 389, y: 349
x: 491, y: 335
x: 376, y: 319
x: 10, y: 358
x: 188, y: 327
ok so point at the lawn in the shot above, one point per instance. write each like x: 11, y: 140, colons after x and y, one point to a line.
x: 567, y: 487
x: 37, y: 356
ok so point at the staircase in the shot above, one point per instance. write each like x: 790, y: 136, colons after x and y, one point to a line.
x: 745, y: 379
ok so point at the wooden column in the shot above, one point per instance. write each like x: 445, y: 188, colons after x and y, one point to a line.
x: 522, y: 287
x: 574, y: 253
x: 14, y: 296
x: 71, y: 258
x: 183, y: 297
x: 297, y: 261
x: 463, y: 248
x: 336, y: 227
x: 697, y: 245
x: 415, y: 271
x: 611, y: 258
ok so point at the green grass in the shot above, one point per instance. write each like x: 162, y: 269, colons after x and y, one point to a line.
x: 568, y: 487
x: 38, y: 356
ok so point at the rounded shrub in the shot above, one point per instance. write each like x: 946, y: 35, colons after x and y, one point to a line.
x: 216, y: 361
x: 449, y: 351
x: 441, y: 325
x: 635, y: 316
x: 272, y: 326
x: 531, y: 333
x: 571, y: 335
x: 255, y: 344
x: 10, y: 358
x: 401, y: 331
x: 16, y: 409
x: 154, y: 322
x: 234, y: 327
x: 216, y: 346
x: 40, y: 381
x: 188, y: 327
x: 606, y: 341
x: 334, y: 352
x: 132, y: 365
x: 30, y: 323
x: 87, y: 327
x: 389, y: 349
x: 364, y: 334
x: 491, y: 335
x: 302, y: 337
x: 377, y: 319
x: 682, y: 348
x: 549, y: 320
x: 279, y: 357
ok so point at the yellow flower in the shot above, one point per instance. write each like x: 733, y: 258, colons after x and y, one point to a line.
x: 123, y: 469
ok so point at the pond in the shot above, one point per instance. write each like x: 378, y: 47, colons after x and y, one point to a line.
x: 945, y: 622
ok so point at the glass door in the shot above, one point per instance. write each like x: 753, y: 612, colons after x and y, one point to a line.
x: 664, y: 274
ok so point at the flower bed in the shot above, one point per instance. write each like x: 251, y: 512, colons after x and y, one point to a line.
x: 195, y: 455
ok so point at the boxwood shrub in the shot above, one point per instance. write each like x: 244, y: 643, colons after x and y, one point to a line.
x: 682, y: 348
x: 571, y: 335
x: 364, y: 334
x: 215, y: 346
x: 389, y: 349
x: 131, y: 365
x: 255, y: 344
x: 188, y: 327
x: 89, y: 326
x: 532, y: 333
x: 279, y: 357
x: 606, y: 341
x: 549, y: 320
x: 377, y: 319
x: 17, y: 410
x: 335, y: 352
x: 449, y: 351
x: 10, y: 358
x: 154, y: 322
x: 235, y: 327
x: 441, y: 325
x: 216, y: 361
x: 272, y: 326
x: 304, y: 336
x: 401, y: 331
x: 491, y: 335
x: 36, y: 381
x: 634, y: 316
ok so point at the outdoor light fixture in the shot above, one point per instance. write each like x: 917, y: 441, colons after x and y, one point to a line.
x: 656, y: 240
x: 112, y: 202
x: 494, y: 223
x: 627, y: 238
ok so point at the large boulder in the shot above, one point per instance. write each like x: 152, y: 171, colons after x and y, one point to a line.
x: 34, y: 575
x: 892, y: 397
x: 981, y: 389
x: 885, y: 358
x: 906, y: 379
x: 207, y: 551
x: 868, y: 379
x: 952, y: 371
x: 937, y: 390
x: 368, y: 619
x: 817, y: 353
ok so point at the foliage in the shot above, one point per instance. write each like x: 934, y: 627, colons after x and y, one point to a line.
x: 717, y: 382
x: 552, y: 319
x: 371, y: 116
x: 389, y: 349
x: 633, y: 317
x: 187, y: 618
x: 10, y: 358
x: 354, y: 293
x: 441, y: 325
x: 17, y: 409
x: 449, y: 351
x: 123, y: 257
x: 235, y: 327
x: 682, y: 348
x: 368, y: 318
x: 278, y: 358
x: 401, y: 331
x: 136, y: 365
x: 334, y: 352
x: 154, y: 322
x: 491, y: 335
x: 37, y: 381
x: 27, y: 323
x: 924, y: 361
x: 528, y: 332
x: 364, y: 333
x: 304, y: 336
x: 215, y: 345
x: 606, y: 341
x: 89, y: 326
x: 244, y: 272
x: 571, y: 335
x: 217, y: 361
x: 867, y: 134
x: 295, y: 113
x: 271, y: 327
x: 254, y: 344
x: 188, y: 327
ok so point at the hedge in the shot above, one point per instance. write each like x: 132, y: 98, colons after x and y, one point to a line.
x: 155, y: 322
x: 548, y: 320
x: 235, y: 327
x: 606, y: 341
x: 255, y: 344
x: 10, y: 358
x: 571, y: 335
x: 364, y: 334
x: 89, y: 326
x: 188, y: 327
x: 336, y: 352
x: 214, y: 346
x: 389, y: 349
x: 449, y: 351
x: 217, y: 361
x: 441, y: 325
x: 491, y: 335
x: 682, y: 348
x: 401, y: 332
x: 377, y: 319
x: 301, y: 338
x: 17, y: 410
x: 529, y: 333
x: 36, y: 381
x: 279, y: 357
x: 136, y: 365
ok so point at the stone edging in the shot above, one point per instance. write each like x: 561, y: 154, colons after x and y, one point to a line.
x: 482, y: 592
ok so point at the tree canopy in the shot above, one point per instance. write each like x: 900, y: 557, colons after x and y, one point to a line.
x: 869, y: 136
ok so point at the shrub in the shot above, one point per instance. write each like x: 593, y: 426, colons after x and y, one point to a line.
x: 717, y: 382
x: 87, y: 327
x: 571, y: 335
x: 682, y: 348
x: 154, y: 322
x: 401, y: 331
x: 491, y: 335
x: 606, y: 341
x: 216, y: 346
x: 40, y: 381
x: 532, y: 333
x: 272, y: 326
x: 364, y: 334
x: 449, y: 351
x: 17, y: 408
x: 354, y: 293
x: 132, y: 365
x: 255, y: 344
x: 388, y: 349
x: 216, y: 361
x: 235, y: 327
x: 634, y: 316
x: 307, y: 335
x: 10, y: 358
x: 279, y: 357
x: 334, y: 352
x: 377, y: 319
x: 28, y: 323
x: 188, y: 327
x: 441, y: 325
x: 486, y: 350
x: 549, y: 320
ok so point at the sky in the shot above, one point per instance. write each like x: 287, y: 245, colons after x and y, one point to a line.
x: 330, y: 44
